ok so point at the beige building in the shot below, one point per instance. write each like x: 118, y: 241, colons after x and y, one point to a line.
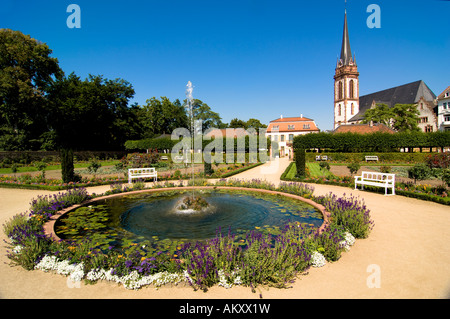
x: 283, y: 130
x: 443, y: 110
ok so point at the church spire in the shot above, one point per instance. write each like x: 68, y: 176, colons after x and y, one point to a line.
x: 346, y: 52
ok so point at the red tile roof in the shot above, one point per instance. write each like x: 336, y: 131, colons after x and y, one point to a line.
x: 364, y: 128
x: 292, y: 124
x: 442, y: 95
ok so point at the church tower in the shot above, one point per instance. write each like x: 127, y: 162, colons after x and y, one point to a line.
x: 346, y: 83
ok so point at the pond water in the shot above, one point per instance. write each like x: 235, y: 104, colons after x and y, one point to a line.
x: 152, y: 218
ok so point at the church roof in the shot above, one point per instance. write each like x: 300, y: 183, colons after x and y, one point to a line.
x: 404, y: 94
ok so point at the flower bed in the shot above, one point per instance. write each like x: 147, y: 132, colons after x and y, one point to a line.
x: 437, y: 194
x: 259, y: 259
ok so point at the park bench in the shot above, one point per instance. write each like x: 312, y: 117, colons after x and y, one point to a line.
x: 134, y: 173
x: 376, y: 179
x: 164, y: 158
x: 371, y: 158
x: 321, y: 158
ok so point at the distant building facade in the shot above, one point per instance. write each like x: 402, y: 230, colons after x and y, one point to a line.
x: 283, y: 130
x: 443, y: 110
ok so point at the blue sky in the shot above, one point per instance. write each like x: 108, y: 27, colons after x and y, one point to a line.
x: 247, y: 58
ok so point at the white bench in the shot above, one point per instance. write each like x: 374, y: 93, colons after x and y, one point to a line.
x: 376, y: 179
x: 142, y: 173
x: 371, y: 158
x: 321, y: 158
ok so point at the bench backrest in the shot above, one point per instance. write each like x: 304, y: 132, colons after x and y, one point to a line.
x: 139, y: 171
x: 372, y: 157
x: 374, y: 176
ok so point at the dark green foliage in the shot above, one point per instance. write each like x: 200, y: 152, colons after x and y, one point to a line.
x: 300, y: 162
x: 67, y: 167
x: 419, y: 172
x: 376, y: 142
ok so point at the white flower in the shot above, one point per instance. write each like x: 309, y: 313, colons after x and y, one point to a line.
x: 17, y: 249
x: 51, y: 263
x: 227, y: 281
x: 317, y: 259
x: 348, y: 241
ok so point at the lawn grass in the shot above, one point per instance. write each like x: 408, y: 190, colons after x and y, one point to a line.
x: 316, y: 171
x: 31, y: 168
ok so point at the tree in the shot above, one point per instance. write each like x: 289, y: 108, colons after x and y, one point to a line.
x: 27, y: 72
x: 380, y: 114
x: 255, y: 124
x: 87, y: 115
x: 236, y: 123
x: 161, y: 116
x: 401, y: 117
x: 406, y: 117
x: 204, y: 113
x: 90, y: 114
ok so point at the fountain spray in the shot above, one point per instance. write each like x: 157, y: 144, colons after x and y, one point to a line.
x: 190, y: 102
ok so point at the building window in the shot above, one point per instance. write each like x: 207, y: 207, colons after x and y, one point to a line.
x: 291, y: 137
x: 351, y: 89
x: 281, y: 138
x: 339, y: 110
x: 340, y: 91
x: 447, y: 94
x: 291, y: 127
x: 428, y: 129
x: 444, y: 105
x: 306, y: 126
x: 423, y: 120
x: 353, y: 109
x: 447, y: 118
x: 276, y: 127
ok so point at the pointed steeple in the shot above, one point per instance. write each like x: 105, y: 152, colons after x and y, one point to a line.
x: 346, y: 52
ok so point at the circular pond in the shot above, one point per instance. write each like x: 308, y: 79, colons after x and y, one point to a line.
x: 154, y: 219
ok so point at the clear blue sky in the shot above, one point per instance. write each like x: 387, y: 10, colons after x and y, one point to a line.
x: 246, y: 58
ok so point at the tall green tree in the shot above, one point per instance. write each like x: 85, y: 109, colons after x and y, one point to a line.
x: 255, y: 124
x: 161, y: 116
x: 381, y: 113
x: 91, y: 114
x: 406, y: 118
x: 401, y: 117
x: 27, y: 72
x: 237, y: 123
x: 203, y: 112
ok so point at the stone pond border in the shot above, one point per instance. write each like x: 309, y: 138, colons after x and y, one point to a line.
x: 49, y: 225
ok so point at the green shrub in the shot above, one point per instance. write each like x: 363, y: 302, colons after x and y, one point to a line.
x: 385, y: 169
x: 419, y: 172
x: 300, y: 162
x: 324, y: 165
x: 354, y: 167
x: 94, y: 165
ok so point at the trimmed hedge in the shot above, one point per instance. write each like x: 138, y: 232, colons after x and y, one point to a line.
x: 389, y: 157
x: 376, y: 142
x: 166, y: 143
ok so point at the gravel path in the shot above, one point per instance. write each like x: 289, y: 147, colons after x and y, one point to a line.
x: 407, y: 255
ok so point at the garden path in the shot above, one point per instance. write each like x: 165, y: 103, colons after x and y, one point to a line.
x: 407, y: 255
